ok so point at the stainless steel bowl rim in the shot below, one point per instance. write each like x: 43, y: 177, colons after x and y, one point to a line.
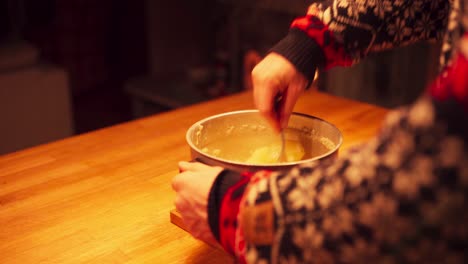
x: 200, y: 122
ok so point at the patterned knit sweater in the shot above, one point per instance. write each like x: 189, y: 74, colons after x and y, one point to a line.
x: 399, y: 198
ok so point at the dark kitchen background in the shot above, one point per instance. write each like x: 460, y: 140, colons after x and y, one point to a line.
x: 69, y: 67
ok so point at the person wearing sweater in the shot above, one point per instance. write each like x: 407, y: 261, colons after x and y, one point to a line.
x: 401, y: 197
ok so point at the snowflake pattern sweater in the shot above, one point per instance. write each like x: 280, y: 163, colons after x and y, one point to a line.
x: 399, y: 198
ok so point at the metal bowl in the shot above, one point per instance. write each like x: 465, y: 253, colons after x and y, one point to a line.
x: 319, y: 138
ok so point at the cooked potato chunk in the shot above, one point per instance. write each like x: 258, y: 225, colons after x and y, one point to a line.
x: 270, y: 154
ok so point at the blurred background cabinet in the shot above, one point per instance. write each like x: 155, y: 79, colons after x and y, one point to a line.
x: 35, y: 101
x: 124, y: 59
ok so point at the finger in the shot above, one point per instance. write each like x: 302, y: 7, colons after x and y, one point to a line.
x: 286, y: 113
x: 199, y: 231
x: 179, y: 203
x: 269, y: 78
x: 279, y: 104
x: 294, y: 90
x: 178, y: 180
x: 192, y: 166
x: 184, y: 165
x: 186, y: 205
x: 264, y: 92
x: 264, y: 95
x: 175, y: 183
x: 183, y: 206
x: 264, y: 86
x: 289, y: 103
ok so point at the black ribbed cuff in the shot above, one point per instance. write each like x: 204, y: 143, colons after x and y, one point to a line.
x: 302, y: 51
x: 221, y: 185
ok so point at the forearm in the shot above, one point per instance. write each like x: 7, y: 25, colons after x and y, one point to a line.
x: 344, y: 31
x: 223, y: 206
x: 383, y: 201
x: 365, y: 26
x: 400, y: 194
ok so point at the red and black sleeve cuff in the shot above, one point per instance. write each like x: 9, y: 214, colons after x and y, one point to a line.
x: 223, y: 182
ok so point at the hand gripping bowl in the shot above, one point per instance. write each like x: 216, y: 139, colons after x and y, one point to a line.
x: 230, y: 139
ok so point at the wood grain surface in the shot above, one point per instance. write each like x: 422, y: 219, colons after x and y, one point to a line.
x: 105, y: 196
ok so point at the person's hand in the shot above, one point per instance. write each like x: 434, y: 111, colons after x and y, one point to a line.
x: 193, y: 185
x: 273, y: 75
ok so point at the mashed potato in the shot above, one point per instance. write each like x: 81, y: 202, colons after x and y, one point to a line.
x: 293, y: 150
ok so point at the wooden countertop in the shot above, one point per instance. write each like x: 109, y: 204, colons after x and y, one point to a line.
x: 105, y: 196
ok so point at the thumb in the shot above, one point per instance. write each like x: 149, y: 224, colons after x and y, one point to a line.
x: 184, y: 165
x: 192, y: 166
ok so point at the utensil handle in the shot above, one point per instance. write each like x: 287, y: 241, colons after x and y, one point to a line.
x: 278, y: 105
